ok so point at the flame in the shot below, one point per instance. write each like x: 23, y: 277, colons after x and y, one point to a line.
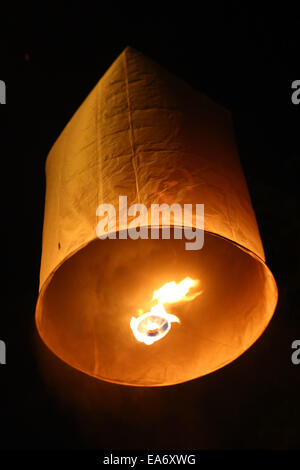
x: 172, y: 292
x: 154, y: 325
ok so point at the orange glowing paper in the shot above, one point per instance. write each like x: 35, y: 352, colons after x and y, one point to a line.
x: 145, y: 134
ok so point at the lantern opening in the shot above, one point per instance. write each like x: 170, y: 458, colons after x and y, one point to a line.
x: 84, y: 311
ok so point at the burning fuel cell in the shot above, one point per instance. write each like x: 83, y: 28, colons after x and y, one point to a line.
x: 149, y: 328
x: 156, y: 324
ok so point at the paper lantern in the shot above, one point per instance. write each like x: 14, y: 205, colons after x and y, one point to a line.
x: 145, y: 134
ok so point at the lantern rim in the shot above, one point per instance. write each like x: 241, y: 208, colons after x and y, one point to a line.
x: 44, y: 286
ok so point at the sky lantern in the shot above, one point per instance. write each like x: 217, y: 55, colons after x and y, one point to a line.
x: 153, y: 271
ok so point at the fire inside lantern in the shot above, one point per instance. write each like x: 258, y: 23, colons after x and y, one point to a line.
x: 154, y: 325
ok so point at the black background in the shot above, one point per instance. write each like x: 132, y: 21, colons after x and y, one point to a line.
x: 245, y: 59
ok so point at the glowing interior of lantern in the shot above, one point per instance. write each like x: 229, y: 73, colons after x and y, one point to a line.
x: 154, y: 325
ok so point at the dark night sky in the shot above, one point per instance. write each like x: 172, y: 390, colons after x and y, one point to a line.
x: 244, y: 60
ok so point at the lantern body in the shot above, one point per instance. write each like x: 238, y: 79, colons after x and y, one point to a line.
x: 145, y: 134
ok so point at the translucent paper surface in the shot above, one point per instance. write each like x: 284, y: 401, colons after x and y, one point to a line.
x: 146, y: 134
